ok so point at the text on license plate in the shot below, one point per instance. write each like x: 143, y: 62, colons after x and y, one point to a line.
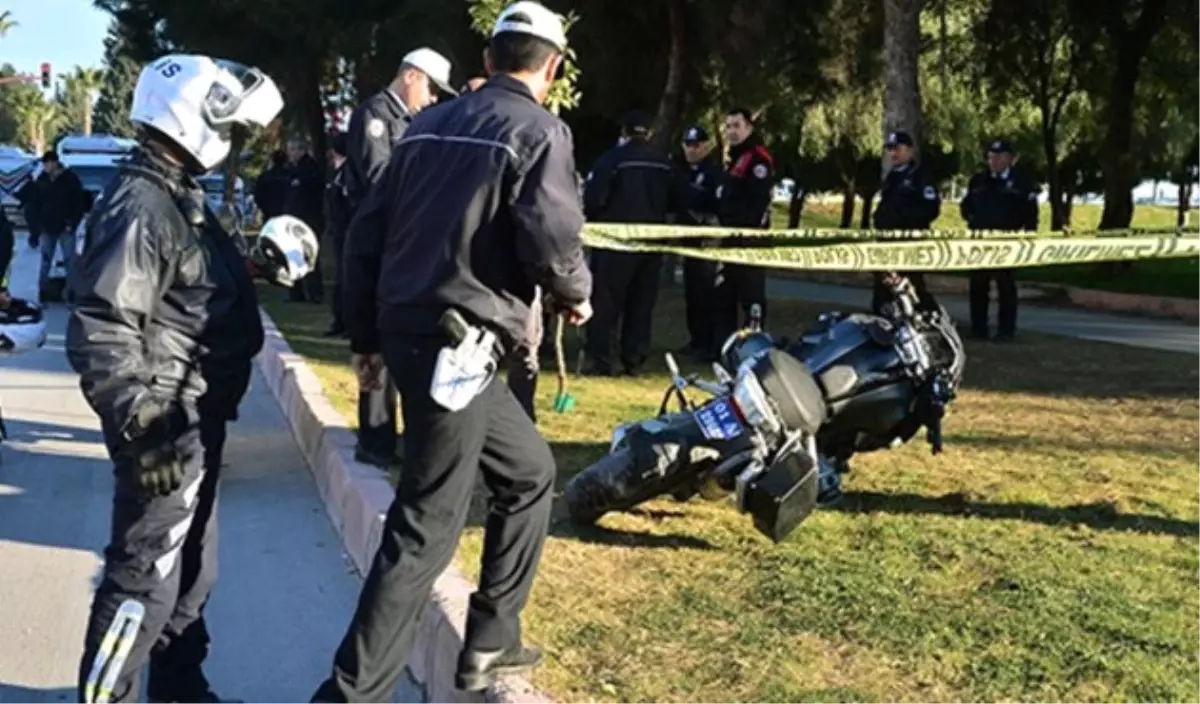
x: 718, y: 421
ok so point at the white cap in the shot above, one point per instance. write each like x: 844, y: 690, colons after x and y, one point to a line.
x: 432, y: 64
x: 532, y: 18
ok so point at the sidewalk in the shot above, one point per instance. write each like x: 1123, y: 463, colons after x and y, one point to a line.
x: 285, y: 591
x: 1122, y: 330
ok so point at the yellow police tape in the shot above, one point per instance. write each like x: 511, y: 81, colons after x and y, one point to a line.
x: 927, y: 253
x: 818, y: 234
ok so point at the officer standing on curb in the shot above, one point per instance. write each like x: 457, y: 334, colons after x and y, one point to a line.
x: 375, y: 127
x: 164, y: 331
x: 701, y: 175
x: 630, y: 183
x: 998, y: 199
x: 477, y: 207
x: 908, y: 200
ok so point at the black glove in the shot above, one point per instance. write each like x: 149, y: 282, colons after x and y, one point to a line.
x: 150, y: 441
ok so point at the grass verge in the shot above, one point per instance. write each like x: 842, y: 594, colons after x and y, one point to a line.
x: 1049, y: 554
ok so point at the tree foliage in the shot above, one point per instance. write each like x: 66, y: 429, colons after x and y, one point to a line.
x: 121, y: 69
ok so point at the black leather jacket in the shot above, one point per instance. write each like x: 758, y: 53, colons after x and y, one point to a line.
x: 477, y: 206
x: 165, y: 308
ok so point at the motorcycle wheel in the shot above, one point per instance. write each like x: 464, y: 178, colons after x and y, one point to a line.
x: 614, y: 483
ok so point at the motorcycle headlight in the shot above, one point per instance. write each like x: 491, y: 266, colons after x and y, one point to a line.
x: 751, y: 401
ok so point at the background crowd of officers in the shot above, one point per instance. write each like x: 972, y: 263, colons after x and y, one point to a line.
x: 636, y: 181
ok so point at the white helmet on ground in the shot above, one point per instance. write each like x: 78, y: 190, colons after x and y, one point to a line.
x: 286, y: 250
x: 195, y: 100
x: 22, y: 328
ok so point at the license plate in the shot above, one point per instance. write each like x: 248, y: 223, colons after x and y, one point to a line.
x: 718, y: 421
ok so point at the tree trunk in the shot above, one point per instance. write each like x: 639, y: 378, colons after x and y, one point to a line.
x: 1054, y: 178
x: 668, y: 105
x: 87, y: 118
x: 1068, y: 203
x: 1184, y: 208
x: 848, y: 204
x: 1120, y: 174
x: 902, y: 90
x: 868, y: 200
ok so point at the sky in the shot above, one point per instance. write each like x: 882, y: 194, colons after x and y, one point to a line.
x: 62, y: 32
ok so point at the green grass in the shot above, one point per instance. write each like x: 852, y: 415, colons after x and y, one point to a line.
x: 1049, y: 554
x: 1169, y: 277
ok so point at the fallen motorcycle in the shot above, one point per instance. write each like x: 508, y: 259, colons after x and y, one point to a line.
x: 783, y: 418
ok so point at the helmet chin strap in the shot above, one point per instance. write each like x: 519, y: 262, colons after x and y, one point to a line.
x: 172, y: 153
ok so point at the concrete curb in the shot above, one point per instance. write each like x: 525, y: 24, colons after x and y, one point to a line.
x: 1055, y: 294
x: 357, y: 497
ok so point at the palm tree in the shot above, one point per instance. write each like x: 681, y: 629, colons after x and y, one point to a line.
x: 88, y: 82
x: 36, y: 118
x: 6, y: 22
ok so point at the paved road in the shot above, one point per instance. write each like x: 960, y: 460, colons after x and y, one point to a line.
x: 1123, y: 330
x: 285, y: 593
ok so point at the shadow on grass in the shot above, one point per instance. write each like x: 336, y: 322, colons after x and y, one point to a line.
x: 1179, y: 449
x: 1098, y: 516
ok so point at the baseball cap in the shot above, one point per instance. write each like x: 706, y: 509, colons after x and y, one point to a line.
x: 636, y: 121
x: 695, y: 135
x: 529, y: 17
x: 432, y: 64
x: 897, y: 138
x: 1000, y: 146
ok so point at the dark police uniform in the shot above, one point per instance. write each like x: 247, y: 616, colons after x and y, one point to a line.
x: 908, y: 200
x: 631, y: 183
x: 304, y: 199
x: 744, y: 201
x: 165, y: 327
x: 375, y: 127
x: 477, y: 207
x: 998, y: 201
x: 699, y: 188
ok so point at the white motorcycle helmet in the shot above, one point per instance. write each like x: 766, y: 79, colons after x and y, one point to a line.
x: 195, y: 100
x: 286, y: 250
x: 22, y: 328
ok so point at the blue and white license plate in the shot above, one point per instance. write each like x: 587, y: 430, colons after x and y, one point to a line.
x: 718, y: 421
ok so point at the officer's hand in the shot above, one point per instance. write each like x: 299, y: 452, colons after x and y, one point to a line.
x: 367, y: 367
x: 159, y: 470
x: 579, y: 313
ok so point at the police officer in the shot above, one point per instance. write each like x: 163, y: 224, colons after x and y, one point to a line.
x: 163, y: 333
x: 631, y: 183
x: 523, y: 366
x: 908, y: 200
x: 701, y: 176
x: 375, y: 127
x: 304, y: 199
x: 743, y: 201
x: 477, y: 207
x: 998, y: 199
x: 337, y: 219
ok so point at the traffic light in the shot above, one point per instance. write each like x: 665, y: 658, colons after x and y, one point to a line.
x: 46, y: 75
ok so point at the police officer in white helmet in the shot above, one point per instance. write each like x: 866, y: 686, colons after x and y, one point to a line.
x: 375, y: 127
x: 165, y: 326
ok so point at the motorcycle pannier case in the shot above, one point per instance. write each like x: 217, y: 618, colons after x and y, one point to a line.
x: 784, y: 495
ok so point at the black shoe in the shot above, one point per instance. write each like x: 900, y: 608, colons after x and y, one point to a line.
x: 206, y: 697
x: 335, y: 331
x: 479, y: 669
x: 377, y: 459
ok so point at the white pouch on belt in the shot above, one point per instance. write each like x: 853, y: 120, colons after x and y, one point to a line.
x: 463, y: 371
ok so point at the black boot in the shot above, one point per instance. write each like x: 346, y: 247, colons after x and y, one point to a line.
x: 480, y: 669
